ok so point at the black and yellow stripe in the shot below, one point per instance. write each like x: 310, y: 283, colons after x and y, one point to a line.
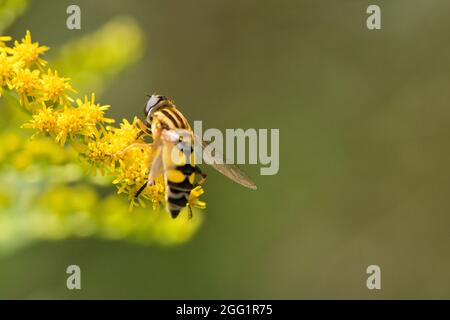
x: 171, y: 118
x: 179, y: 175
x: 179, y: 179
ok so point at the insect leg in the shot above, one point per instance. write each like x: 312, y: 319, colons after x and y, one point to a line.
x: 133, y: 145
x: 140, y: 134
x: 190, y: 212
x: 143, y: 127
x: 202, y: 174
x: 155, y: 171
x: 141, y: 189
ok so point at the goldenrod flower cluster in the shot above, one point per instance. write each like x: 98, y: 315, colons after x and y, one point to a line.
x: 80, y: 123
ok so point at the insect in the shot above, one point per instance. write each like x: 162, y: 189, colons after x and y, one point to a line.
x: 174, y: 157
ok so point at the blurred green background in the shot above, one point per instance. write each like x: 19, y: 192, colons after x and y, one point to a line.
x: 363, y: 118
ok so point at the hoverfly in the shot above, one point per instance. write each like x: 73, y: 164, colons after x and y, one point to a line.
x: 172, y: 134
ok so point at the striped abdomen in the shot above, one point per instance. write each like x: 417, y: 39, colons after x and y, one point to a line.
x: 179, y: 173
x: 179, y: 178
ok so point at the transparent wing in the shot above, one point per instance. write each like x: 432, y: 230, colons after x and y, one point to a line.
x: 230, y: 171
x: 176, y: 135
x: 157, y: 167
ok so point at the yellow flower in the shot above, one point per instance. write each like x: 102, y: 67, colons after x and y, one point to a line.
x: 120, y: 152
x: 106, y: 147
x: 6, y: 70
x: 69, y: 123
x: 26, y: 83
x: 126, y: 134
x: 28, y: 52
x: 194, y: 198
x: 99, y: 150
x: 54, y: 87
x: 133, y: 169
x: 155, y: 192
x: 92, y: 113
x: 4, y: 39
x: 44, y: 121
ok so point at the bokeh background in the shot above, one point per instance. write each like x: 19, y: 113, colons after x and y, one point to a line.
x: 364, y: 179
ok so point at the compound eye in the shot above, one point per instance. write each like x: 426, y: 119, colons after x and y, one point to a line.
x: 151, y: 103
